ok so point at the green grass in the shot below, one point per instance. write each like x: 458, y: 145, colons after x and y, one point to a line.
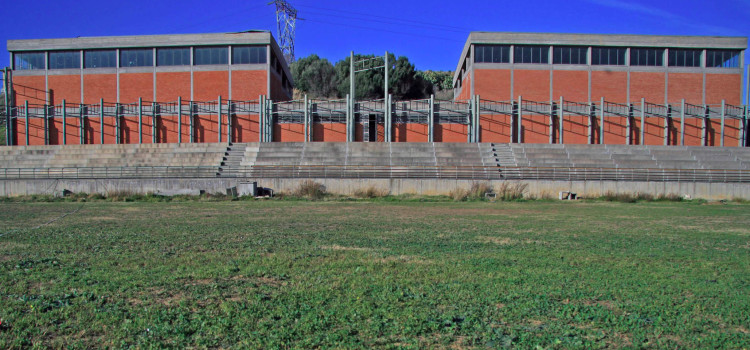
x: 345, y: 274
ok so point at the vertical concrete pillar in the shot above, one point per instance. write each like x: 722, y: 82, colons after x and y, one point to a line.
x: 64, y: 123
x: 179, y: 119
x: 26, y: 117
x: 561, y: 115
x: 140, y: 120
x: 154, y: 123
x: 667, y: 120
x: 601, y: 122
x: 643, y: 121
x: 101, y: 120
x: 682, y: 123
x: 218, y: 113
x: 519, y: 133
x: 723, y: 116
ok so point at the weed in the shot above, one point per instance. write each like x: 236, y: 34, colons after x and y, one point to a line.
x: 310, y: 189
x: 370, y: 192
x: 510, y: 191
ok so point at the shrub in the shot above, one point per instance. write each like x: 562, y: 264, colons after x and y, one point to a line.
x: 370, y: 192
x: 508, y: 191
x: 310, y: 189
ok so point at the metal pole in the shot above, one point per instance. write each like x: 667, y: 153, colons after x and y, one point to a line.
x: 682, y: 123
x: 101, y: 120
x: 352, y: 97
x: 629, y: 125
x: 45, y: 115
x: 219, y: 113
x: 269, y: 117
x: 179, y: 119
x: 562, y: 118
x: 190, y: 122
x: 307, y: 124
x: 431, y: 120
x: 118, y: 126
x: 744, y: 128
x: 668, y: 111
x: 140, y: 120
x: 643, y: 120
x: 551, y: 122
x: 348, y: 117
x: 6, y: 99
x: 389, y: 119
x: 478, y: 114
x: 747, y: 86
x: 154, y: 127
x: 229, y: 120
x: 704, y: 127
x: 723, y: 114
x: 385, y: 95
x: 64, y: 123
x: 26, y: 115
x: 81, y: 124
x: 592, y: 113
x: 601, y: 122
x: 520, y: 120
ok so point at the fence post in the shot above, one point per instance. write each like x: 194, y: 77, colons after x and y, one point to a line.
x: 26, y: 116
x: 81, y: 123
x: 154, y: 126
x: 667, y: 119
x: 629, y: 125
x: 140, y: 120
x: 704, y: 127
x: 601, y: 121
x: 179, y: 119
x: 45, y: 115
x: 262, y: 118
x: 219, y: 113
x: 592, y: 113
x: 723, y: 115
x: 64, y: 123
x: 431, y: 120
x: 519, y: 133
x: 643, y: 121
x: 305, y: 115
x: 552, y: 122
x: 190, y: 122
x: 682, y: 123
x: 229, y: 120
x: 561, y: 115
x: 101, y: 120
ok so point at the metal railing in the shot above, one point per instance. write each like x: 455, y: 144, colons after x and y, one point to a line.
x: 385, y: 172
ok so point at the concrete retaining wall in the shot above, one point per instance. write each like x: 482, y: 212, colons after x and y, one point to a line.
x: 712, y: 191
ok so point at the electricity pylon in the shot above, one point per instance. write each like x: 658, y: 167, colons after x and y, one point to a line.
x: 286, y: 19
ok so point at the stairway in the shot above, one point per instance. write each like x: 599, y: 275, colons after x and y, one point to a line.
x: 232, y: 159
x: 504, y: 158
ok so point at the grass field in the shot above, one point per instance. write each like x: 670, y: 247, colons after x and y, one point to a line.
x: 361, y: 274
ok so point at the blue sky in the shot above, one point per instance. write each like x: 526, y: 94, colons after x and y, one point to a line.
x: 430, y: 33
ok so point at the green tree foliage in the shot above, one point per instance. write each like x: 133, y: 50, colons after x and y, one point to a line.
x: 314, y: 76
x: 318, y: 78
x: 440, y: 80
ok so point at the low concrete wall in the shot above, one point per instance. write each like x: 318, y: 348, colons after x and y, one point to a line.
x: 712, y: 191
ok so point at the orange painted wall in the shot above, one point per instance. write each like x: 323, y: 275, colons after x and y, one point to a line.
x: 329, y: 132
x: 135, y: 85
x: 647, y: 85
x: 451, y: 133
x: 495, y: 128
x: 571, y: 85
x: 686, y: 85
x: 615, y: 130
x: 491, y: 84
x: 575, y: 129
x: 207, y: 86
x: 612, y: 85
x: 531, y: 84
x: 170, y: 86
x: 289, y: 133
x: 30, y: 88
x: 410, y: 132
x: 245, y: 128
x: 723, y: 86
x: 465, y: 93
x: 535, y: 129
x: 65, y: 87
x: 248, y: 85
x: 99, y: 86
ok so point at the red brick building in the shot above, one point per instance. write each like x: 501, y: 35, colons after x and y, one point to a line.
x: 163, y: 68
x: 586, y: 68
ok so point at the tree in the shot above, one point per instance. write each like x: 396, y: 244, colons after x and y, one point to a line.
x: 314, y: 76
x: 403, y: 80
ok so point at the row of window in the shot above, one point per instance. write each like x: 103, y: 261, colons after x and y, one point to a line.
x: 610, y: 56
x: 179, y: 56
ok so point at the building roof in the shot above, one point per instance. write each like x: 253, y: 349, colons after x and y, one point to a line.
x: 105, y: 42
x: 621, y: 40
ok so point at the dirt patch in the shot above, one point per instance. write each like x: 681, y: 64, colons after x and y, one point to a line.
x: 336, y: 247
x: 507, y: 240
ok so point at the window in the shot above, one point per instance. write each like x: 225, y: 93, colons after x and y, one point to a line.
x: 569, y: 55
x: 137, y: 58
x: 723, y: 58
x: 608, y: 56
x: 684, y: 58
x: 248, y: 54
x: 646, y: 57
x: 99, y: 58
x: 211, y: 55
x: 531, y: 54
x: 29, y: 60
x: 178, y: 56
x: 492, y: 53
x: 64, y: 59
